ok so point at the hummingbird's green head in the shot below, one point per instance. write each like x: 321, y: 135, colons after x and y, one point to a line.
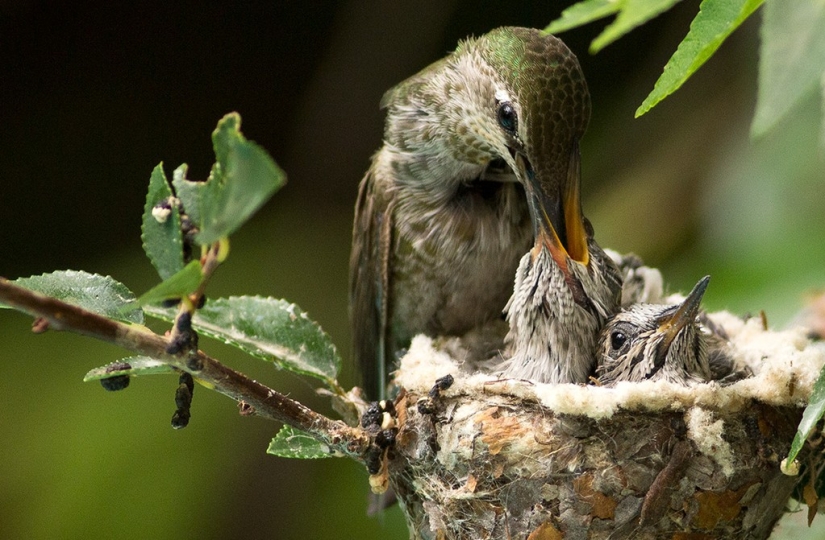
x: 513, y: 96
x: 553, y: 110
x: 541, y: 97
x: 546, y: 97
x: 542, y: 108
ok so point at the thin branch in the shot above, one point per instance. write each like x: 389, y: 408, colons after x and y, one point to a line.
x: 265, y: 402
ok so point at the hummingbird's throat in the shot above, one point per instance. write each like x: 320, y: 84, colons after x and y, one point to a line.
x: 497, y: 170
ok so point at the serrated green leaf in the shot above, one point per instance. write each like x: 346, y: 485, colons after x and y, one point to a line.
x: 184, y: 282
x: 268, y: 328
x: 583, y: 13
x: 241, y: 181
x: 791, y: 59
x: 292, y: 443
x: 160, y: 230
x: 812, y: 414
x: 714, y: 23
x: 633, y: 13
x: 98, y: 294
x: 132, y: 366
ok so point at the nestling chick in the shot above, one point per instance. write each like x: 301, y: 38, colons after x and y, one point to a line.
x: 656, y: 342
x: 565, y: 289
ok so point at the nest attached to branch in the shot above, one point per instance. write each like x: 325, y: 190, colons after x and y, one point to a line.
x: 495, y: 458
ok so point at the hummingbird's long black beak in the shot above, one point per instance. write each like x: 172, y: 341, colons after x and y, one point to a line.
x: 671, y: 323
x: 555, y: 209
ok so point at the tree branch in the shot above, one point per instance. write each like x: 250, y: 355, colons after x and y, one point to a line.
x: 265, y: 401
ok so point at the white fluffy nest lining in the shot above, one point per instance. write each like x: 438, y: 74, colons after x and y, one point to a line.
x: 785, y: 365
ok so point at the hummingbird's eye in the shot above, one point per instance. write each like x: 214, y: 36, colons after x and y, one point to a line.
x: 507, y: 117
x: 617, y: 340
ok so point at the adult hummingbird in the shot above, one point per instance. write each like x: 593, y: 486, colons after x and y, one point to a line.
x: 659, y: 342
x: 566, y: 287
x: 441, y: 218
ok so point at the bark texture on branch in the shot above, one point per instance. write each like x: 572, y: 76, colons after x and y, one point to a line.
x: 509, y: 459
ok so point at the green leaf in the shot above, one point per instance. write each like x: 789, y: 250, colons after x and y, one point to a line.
x: 271, y: 329
x: 160, y: 231
x: 292, y: 443
x: 812, y: 414
x: 241, y: 181
x: 583, y: 13
x: 791, y: 58
x: 132, y: 366
x: 184, y: 282
x: 98, y: 294
x: 633, y: 14
x: 714, y: 23
x: 189, y: 192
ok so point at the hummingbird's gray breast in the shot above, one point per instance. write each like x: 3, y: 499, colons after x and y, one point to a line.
x: 452, y: 267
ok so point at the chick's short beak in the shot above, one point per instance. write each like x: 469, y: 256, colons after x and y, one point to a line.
x: 673, y: 322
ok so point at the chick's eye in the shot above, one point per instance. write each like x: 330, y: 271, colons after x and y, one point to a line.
x: 507, y: 117
x: 617, y: 340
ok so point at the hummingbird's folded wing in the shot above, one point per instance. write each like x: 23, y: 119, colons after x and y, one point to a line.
x: 369, y: 286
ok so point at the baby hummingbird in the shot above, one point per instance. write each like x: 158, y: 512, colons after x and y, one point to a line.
x: 441, y: 218
x: 657, y: 342
x: 566, y: 287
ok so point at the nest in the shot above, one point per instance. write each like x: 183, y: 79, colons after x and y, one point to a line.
x: 494, y: 458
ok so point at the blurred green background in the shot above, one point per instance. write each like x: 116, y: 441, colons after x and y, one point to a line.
x: 95, y: 94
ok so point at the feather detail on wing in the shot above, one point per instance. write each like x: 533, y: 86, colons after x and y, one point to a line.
x: 369, y: 286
